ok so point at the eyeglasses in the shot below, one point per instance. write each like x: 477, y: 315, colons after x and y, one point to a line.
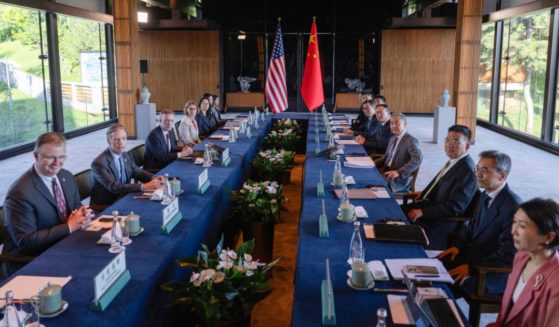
x: 483, y: 170
x: 52, y: 158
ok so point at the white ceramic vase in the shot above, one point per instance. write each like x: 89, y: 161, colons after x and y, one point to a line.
x: 445, y: 98
x: 145, y: 95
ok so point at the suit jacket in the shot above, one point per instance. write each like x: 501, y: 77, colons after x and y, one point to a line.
x: 406, y: 160
x: 31, y: 214
x: 106, y: 178
x: 157, y: 154
x: 538, y: 303
x: 361, y: 126
x: 188, y: 131
x: 377, y: 140
x: 453, y: 193
x: 206, y: 125
x: 486, y: 239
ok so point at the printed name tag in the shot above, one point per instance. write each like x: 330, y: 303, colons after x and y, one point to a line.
x: 170, y: 211
x: 109, y: 274
x: 202, y: 178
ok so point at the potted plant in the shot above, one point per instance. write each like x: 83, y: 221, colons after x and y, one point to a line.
x: 223, y: 288
x: 272, y: 164
x: 256, y: 210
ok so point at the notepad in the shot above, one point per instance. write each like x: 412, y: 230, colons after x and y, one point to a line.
x: 24, y: 287
x: 359, y: 162
x: 365, y: 193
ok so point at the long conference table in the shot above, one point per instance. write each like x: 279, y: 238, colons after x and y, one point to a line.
x: 150, y: 257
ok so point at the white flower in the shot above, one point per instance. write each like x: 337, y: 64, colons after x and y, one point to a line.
x: 218, y: 277
x: 272, y: 190
x: 273, y: 201
x: 206, y: 274
x: 232, y: 254
x: 227, y: 264
x: 194, y: 276
x: 248, y: 257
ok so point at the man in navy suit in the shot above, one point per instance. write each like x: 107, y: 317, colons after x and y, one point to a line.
x: 449, y: 194
x: 161, y: 144
x: 376, y: 141
x: 43, y: 205
x: 486, y: 239
x: 113, y: 170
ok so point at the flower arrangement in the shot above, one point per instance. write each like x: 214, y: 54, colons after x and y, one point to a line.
x: 285, y: 134
x: 224, y: 285
x: 272, y: 164
x: 284, y: 124
x: 257, y: 201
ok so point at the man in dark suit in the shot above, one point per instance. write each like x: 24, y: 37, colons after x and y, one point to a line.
x: 376, y: 141
x: 113, y: 170
x: 403, y: 156
x: 486, y: 239
x: 449, y: 194
x: 161, y: 144
x: 43, y: 205
x: 366, y: 122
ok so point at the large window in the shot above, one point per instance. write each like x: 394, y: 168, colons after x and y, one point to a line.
x: 24, y: 103
x: 523, y: 71
x: 556, y: 124
x: 486, y: 70
x: 83, y: 70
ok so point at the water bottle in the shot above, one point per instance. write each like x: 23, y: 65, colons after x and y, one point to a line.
x: 11, y: 315
x: 356, y: 252
x: 338, y: 178
x: 344, y: 198
x: 207, y: 156
x: 232, y: 135
x: 381, y: 317
x: 116, y: 235
x: 167, y: 191
x: 331, y: 142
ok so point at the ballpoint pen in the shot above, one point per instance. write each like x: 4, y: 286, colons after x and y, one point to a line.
x: 390, y: 290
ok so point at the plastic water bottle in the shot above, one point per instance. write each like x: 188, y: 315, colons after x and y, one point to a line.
x: 116, y: 235
x: 381, y: 317
x: 356, y: 252
x: 207, y: 156
x: 344, y: 198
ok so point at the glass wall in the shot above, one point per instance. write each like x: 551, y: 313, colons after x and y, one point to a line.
x: 485, y: 70
x: 523, y: 71
x: 24, y: 88
x: 83, y: 71
x: 556, y: 124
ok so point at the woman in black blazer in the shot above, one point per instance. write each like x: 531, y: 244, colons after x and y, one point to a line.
x: 205, y: 120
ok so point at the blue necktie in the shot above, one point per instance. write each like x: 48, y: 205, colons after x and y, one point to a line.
x: 122, y: 170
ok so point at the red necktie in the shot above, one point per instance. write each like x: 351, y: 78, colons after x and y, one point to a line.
x: 59, y: 199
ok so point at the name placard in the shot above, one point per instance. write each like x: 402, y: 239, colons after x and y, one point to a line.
x: 225, y: 159
x: 110, y: 281
x: 171, y: 216
x: 203, y: 182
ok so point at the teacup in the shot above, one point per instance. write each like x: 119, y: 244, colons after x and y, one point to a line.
x: 338, y: 179
x: 175, y: 186
x: 360, y: 274
x: 347, y: 212
x: 133, y: 223
x: 50, y: 299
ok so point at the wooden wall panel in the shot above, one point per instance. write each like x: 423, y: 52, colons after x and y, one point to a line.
x: 182, y: 65
x: 416, y: 66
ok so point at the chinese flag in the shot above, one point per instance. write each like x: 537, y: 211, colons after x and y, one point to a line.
x: 311, y: 89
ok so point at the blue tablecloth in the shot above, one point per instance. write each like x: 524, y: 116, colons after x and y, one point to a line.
x: 353, y: 308
x: 150, y: 257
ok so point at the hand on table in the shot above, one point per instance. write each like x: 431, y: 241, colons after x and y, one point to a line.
x: 360, y: 139
x: 452, y: 251
x: 415, y: 214
x: 460, y: 273
x: 391, y: 175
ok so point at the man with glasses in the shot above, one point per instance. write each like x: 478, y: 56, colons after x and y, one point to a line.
x: 486, y: 240
x: 43, y: 205
x: 449, y: 194
x: 113, y: 170
x: 376, y: 142
x: 161, y: 144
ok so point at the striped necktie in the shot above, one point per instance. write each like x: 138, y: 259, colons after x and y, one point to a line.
x: 59, y: 199
x: 437, y: 179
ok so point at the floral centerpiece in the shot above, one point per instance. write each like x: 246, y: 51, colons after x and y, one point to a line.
x: 258, y: 201
x: 284, y: 124
x: 224, y: 284
x: 272, y: 164
x: 286, y: 134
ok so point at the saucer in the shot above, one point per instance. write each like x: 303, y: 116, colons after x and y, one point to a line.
x: 56, y: 313
x: 138, y: 233
x: 339, y: 217
x: 370, y: 286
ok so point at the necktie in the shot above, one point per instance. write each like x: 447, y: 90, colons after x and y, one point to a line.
x: 59, y: 199
x: 122, y: 171
x: 484, y: 198
x: 168, y: 138
x: 437, y: 179
x: 390, y: 153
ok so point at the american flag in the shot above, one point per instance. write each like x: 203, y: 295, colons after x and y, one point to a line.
x: 276, y: 90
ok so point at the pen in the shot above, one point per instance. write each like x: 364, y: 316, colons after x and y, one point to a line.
x: 391, y: 290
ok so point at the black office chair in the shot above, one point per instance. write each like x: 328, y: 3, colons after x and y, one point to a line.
x: 4, y: 235
x: 85, y: 183
x: 137, y: 154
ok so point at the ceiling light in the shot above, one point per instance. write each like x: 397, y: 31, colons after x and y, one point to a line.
x: 142, y: 17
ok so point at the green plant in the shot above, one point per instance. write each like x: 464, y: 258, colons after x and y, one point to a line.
x: 257, y: 201
x: 285, y: 134
x: 272, y: 164
x: 224, y: 285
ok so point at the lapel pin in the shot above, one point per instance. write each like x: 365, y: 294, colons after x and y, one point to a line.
x: 539, y: 279
x: 63, y: 179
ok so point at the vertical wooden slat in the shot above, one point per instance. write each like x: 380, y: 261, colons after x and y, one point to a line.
x: 466, y: 64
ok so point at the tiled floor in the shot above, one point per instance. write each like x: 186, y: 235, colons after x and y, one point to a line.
x: 533, y: 170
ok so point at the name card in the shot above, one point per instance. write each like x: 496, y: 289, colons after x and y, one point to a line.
x: 203, y: 182
x: 110, y: 281
x: 225, y: 158
x: 171, y: 216
x: 170, y: 211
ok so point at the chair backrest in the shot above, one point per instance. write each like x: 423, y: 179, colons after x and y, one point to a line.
x: 3, y: 230
x: 137, y: 154
x: 85, y: 183
x: 413, y: 179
